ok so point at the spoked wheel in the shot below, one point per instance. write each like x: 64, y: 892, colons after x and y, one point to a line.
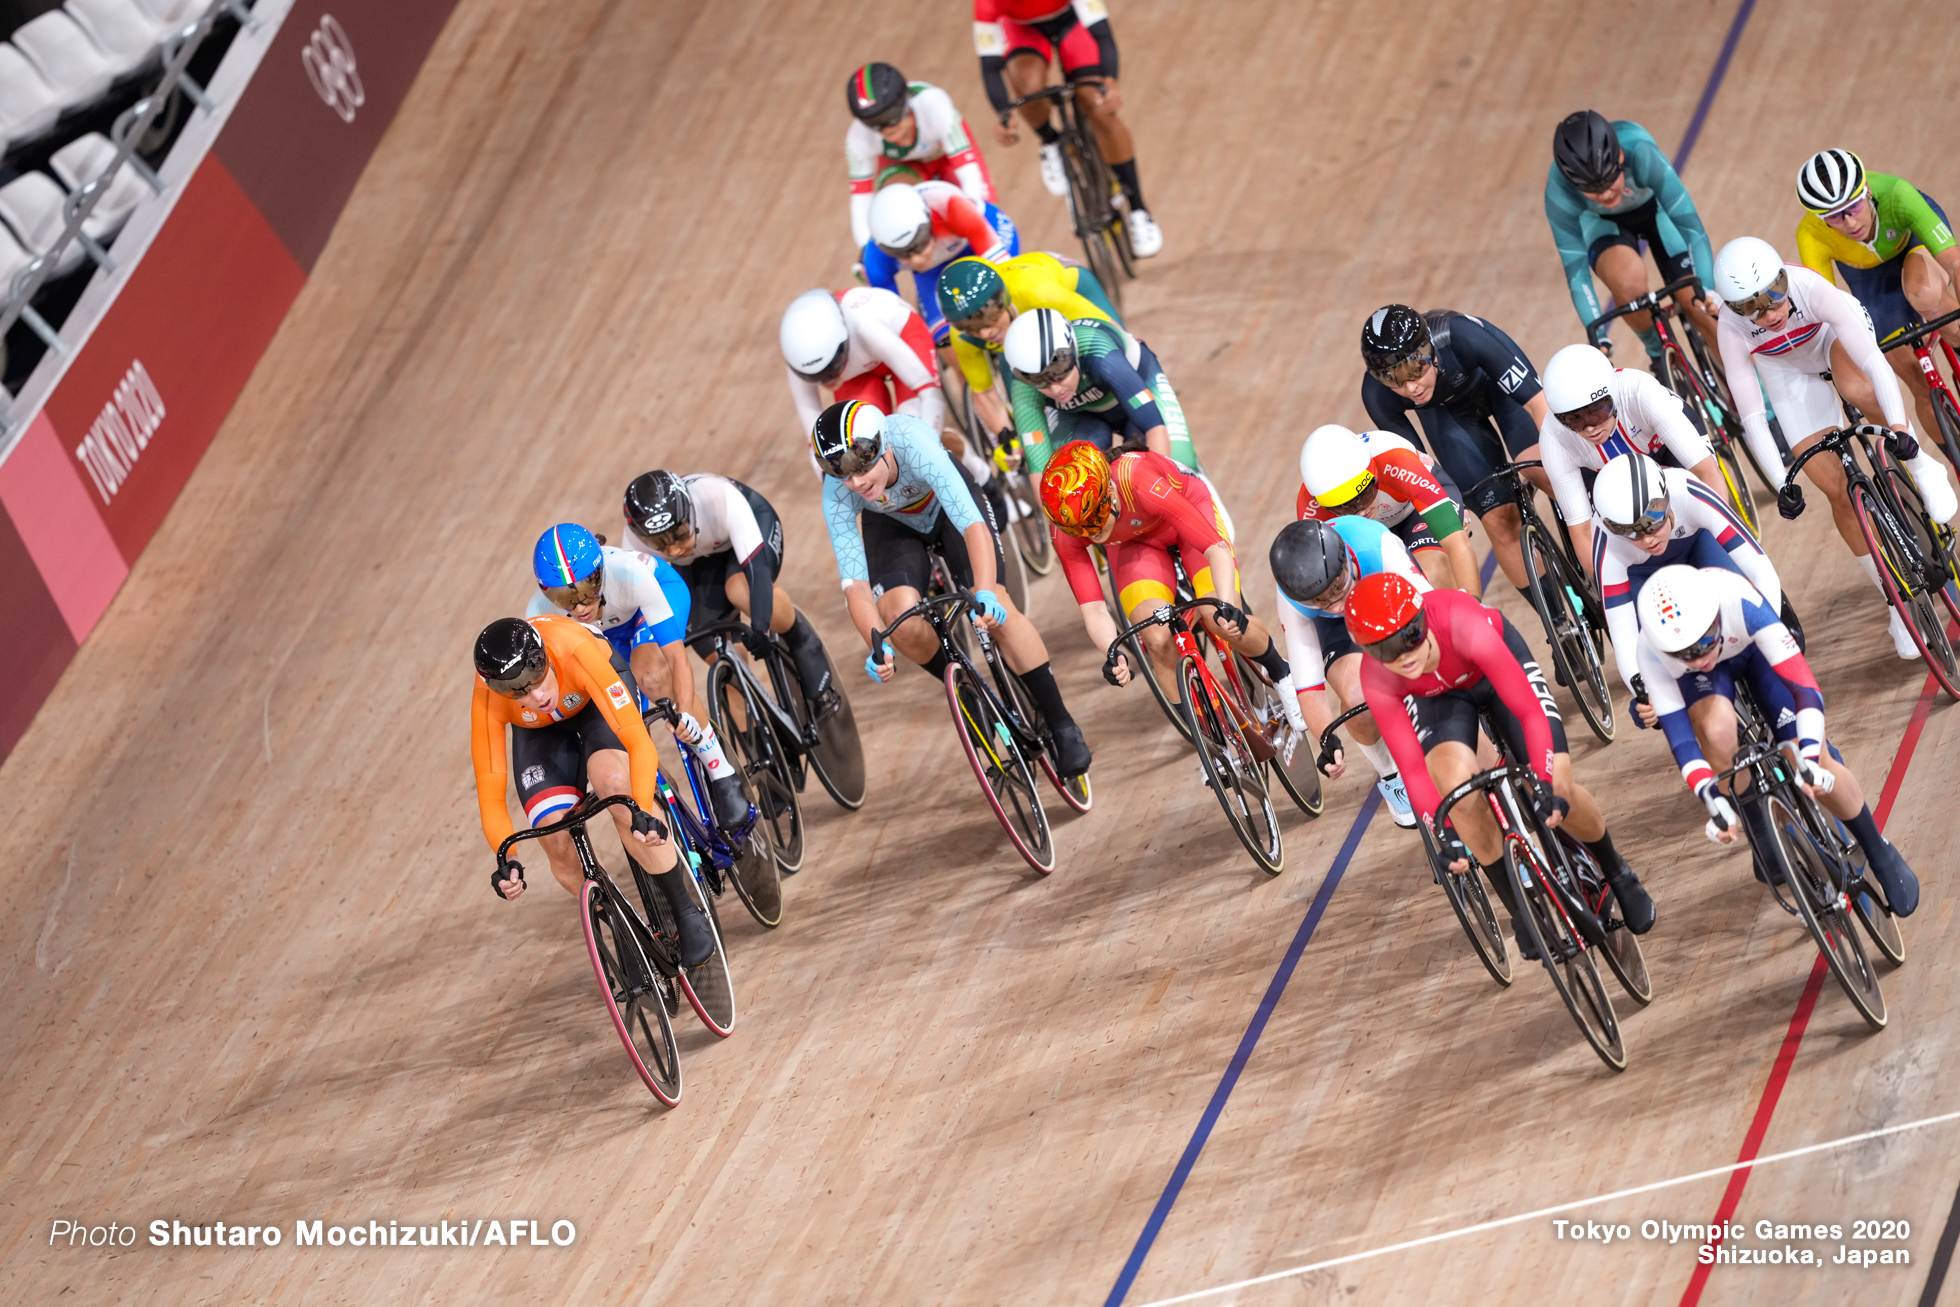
x: 1906, y: 589
x: 1003, y: 769
x: 1473, y: 912
x: 1826, y: 911
x: 766, y: 773
x: 633, y: 991
x: 1300, y: 780
x: 1948, y: 418
x: 1567, y: 960
x: 1576, y: 651
x: 837, y: 757
x: 1622, y: 948
x: 1235, y: 776
x: 708, y: 988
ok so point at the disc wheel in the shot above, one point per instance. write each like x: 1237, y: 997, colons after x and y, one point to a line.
x: 1300, y: 780
x: 632, y: 988
x: 1473, y: 912
x: 1906, y: 588
x: 1567, y: 960
x: 770, y: 782
x: 1826, y: 911
x: 1576, y: 651
x: 1003, y: 770
x: 1235, y: 776
x: 837, y: 754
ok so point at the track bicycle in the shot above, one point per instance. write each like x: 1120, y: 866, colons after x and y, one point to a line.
x: 1567, y: 605
x: 1703, y: 389
x: 799, y: 740
x: 637, y: 965
x: 1946, y: 410
x: 1915, y: 554
x: 1220, y: 722
x: 1100, y: 222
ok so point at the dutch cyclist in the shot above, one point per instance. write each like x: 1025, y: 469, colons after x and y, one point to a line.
x: 1598, y: 411
x: 891, y: 493
x: 572, y: 722
x: 1658, y: 517
x: 1703, y: 629
x: 640, y: 605
x: 726, y: 542
x: 1891, y: 244
x: 1137, y: 507
x: 1434, y: 661
x: 1808, y: 343
x: 922, y: 229
x: 1610, y: 188
x: 908, y: 132
x: 1384, y: 478
x: 1316, y: 566
x: 1015, y: 40
x: 1088, y: 380
x: 1477, y: 397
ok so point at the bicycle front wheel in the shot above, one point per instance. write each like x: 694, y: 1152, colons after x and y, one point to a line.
x: 1235, y: 776
x: 1576, y: 650
x: 837, y: 755
x: 1097, y: 225
x: 1567, y: 960
x: 709, y: 987
x: 1866, y: 894
x: 631, y: 987
x: 1816, y: 884
x: 1904, y: 580
x: 1002, y: 768
x: 774, y: 844
x: 1473, y: 912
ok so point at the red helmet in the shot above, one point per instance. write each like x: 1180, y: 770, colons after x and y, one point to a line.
x: 1075, y: 490
x: 1383, y: 606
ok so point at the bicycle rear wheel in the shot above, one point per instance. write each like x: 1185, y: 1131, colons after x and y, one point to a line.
x: 709, y: 987
x: 1473, y: 912
x: 1097, y: 224
x: 631, y: 986
x: 1001, y: 767
x: 1935, y: 541
x: 1904, y: 580
x: 1575, y: 646
x: 1235, y: 776
x: 770, y: 779
x: 1301, y: 781
x: 1947, y: 416
x: 1567, y: 960
x: 1815, y: 883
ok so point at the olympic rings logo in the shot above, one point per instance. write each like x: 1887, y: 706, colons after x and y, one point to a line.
x: 329, y: 61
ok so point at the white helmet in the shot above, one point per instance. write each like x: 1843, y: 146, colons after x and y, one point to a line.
x: 1040, y: 346
x: 813, y: 335
x: 1576, y: 376
x: 1677, y: 608
x: 1746, y: 267
x: 1630, y: 495
x: 900, y: 221
x: 1830, y: 181
x: 1334, y: 465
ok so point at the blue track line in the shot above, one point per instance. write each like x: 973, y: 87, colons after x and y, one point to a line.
x: 1715, y: 77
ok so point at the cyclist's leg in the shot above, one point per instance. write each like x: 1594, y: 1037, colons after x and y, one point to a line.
x: 1447, y: 726
x: 1026, y: 72
x: 1414, y: 533
x: 895, y: 560
x: 1807, y: 405
x: 1145, y: 581
x: 1466, y: 454
x: 548, y: 767
x: 1616, y: 262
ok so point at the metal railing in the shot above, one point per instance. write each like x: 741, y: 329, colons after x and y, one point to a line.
x: 179, y: 48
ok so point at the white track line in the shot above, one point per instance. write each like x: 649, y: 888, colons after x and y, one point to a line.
x: 1562, y: 1207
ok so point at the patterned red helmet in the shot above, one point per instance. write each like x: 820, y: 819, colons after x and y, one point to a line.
x: 1381, y: 606
x: 1075, y: 490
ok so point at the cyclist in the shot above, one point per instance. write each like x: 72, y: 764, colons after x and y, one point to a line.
x: 979, y: 301
x: 1892, y: 245
x: 1610, y: 188
x: 640, y: 605
x: 1598, y: 411
x: 891, y: 494
x: 1478, y: 399
x: 1088, y: 380
x: 1015, y: 39
x: 552, y: 682
x: 1434, y: 662
x: 865, y: 344
x: 1137, y: 507
x: 1703, y: 629
x: 923, y: 228
x: 1316, y: 565
x: 1384, y: 478
x: 1656, y: 517
x: 905, y: 132
x: 1808, y: 342
x: 726, y: 542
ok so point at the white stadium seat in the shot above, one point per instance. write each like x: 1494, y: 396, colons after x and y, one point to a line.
x: 174, y: 13
x: 121, y: 29
x: 78, y: 71
x: 12, y: 259
x: 31, y: 206
x: 28, y: 105
x: 80, y: 162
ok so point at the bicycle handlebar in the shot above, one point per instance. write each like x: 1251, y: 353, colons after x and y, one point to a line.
x: 1327, y: 739
x: 1477, y: 784
x: 582, y: 811
x: 1059, y: 91
x: 1922, y: 331
x: 1835, y: 442
x: 1508, y: 471
x: 1162, y: 617
x: 1644, y: 303
x: 721, y: 630
x: 924, y: 608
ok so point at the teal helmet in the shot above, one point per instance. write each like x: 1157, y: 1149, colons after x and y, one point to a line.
x: 968, y: 287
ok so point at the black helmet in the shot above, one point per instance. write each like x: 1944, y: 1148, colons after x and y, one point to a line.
x: 849, y: 437
x: 1586, y: 151
x: 877, y: 95
x: 656, y: 504
x: 1391, y: 334
x: 510, y: 656
x: 1307, y: 557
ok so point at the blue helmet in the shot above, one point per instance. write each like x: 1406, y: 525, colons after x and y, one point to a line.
x: 568, y: 564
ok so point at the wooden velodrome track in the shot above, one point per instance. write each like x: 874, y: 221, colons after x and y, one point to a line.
x: 253, y: 970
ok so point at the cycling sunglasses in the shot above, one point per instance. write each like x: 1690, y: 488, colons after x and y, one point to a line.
x: 1589, y: 416
x: 1404, y: 371
x: 1763, y: 300
x: 517, y: 689
x: 569, y: 597
x: 673, y: 537
x: 1058, y: 367
x: 1704, y: 646
x: 1400, y: 642
x: 892, y: 117
x: 917, y: 245
x: 1652, y: 521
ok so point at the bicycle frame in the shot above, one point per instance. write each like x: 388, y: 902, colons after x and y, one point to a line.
x: 1920, y: 341
x: 789, y: 734
x: 699, y: 835
x: 1490, y: 784
x: 933, y: 609
x: 1233, y: 702
x: 574, y: 821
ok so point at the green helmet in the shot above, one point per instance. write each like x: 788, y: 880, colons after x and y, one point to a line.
x: 967, y: 287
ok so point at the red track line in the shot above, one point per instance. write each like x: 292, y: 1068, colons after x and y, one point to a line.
x: 1786, y: 1057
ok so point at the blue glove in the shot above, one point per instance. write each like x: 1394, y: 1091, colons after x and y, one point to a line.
x: 872, y: 662
x: 990, y: 605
